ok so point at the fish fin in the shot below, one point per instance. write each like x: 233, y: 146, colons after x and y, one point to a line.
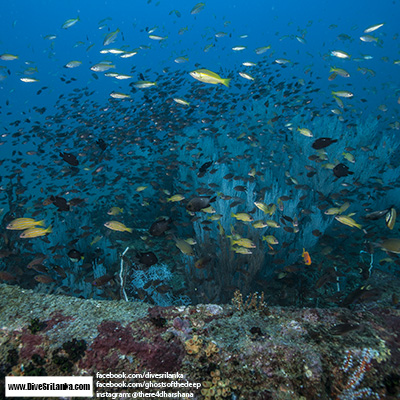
x: 226, y: 81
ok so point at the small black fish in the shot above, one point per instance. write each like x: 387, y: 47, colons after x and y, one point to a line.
x: 203, y: 168
x: 60, y: 203
x: 75, y: 255
x: 342, y: 170
x: 159, y: 227
x: 360, y: 295
x: 198, y: 203
x: 70, y: 159
x: 323, y: 142
x: 148, y: 258
x: 102, y: 144
x: 102, y: 280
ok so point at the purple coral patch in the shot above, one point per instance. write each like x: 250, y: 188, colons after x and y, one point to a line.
x: 114, y: 340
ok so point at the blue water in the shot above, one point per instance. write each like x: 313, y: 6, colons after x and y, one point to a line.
x: 304, y: 33
x: 24, y: 24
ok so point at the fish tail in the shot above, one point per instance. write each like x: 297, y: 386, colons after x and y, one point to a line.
x: 49, y: 229
x: 40, y: 223
x: 226, y: 81
x: 359, y: 226
x: 129, y: 230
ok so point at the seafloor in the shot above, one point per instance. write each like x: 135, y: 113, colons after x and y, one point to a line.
x: 246, y: 350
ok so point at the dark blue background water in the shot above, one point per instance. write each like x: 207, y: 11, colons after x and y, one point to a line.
x: 25, y: 23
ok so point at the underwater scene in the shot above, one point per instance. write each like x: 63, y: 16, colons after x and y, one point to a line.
x: 226, y: 173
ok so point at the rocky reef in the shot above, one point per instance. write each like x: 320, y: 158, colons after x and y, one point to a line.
x: 245, y: 350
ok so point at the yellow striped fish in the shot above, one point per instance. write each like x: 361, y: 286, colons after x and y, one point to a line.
x: 35, y: 232
x: 20, y: 224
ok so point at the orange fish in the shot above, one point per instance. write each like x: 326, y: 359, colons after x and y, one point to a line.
x: 306, y: 257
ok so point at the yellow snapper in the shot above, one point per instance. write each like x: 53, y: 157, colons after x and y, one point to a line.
x: 73, y: 64
x: 95, y: 240
x: 206, y: 76
x: 180, y: 60
x: 263, y: 207
x: 128, y: 54
x: 340, y: 71
x: 246, y: 76
x: 270, y: 239
x: 8, y: 57
x: 70, y: 22
x: 144, y: 84
x: 197, y: 8
x: 35, y: 232
x: 343, y: 93
x: 347, y: 220
x: 20, y: 224
x: 272, y: 224
x: 29, y: 80
x: 373, y: 28
x: 110, y: 38
x: 241, y: 250
x: 117, y: 226
x: 102, y: 66
x: 156, y: 37
x: 261, y: 50
x: 340, y: 54
x: 115, y: 211
x: 176, y: 197
x: 243, y: 242
x: 259, y: 224
x: 184, y: 247
x: 119, y: 95
x: 305, y: 132
x: 181, y: 101
x: 242, y: 217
